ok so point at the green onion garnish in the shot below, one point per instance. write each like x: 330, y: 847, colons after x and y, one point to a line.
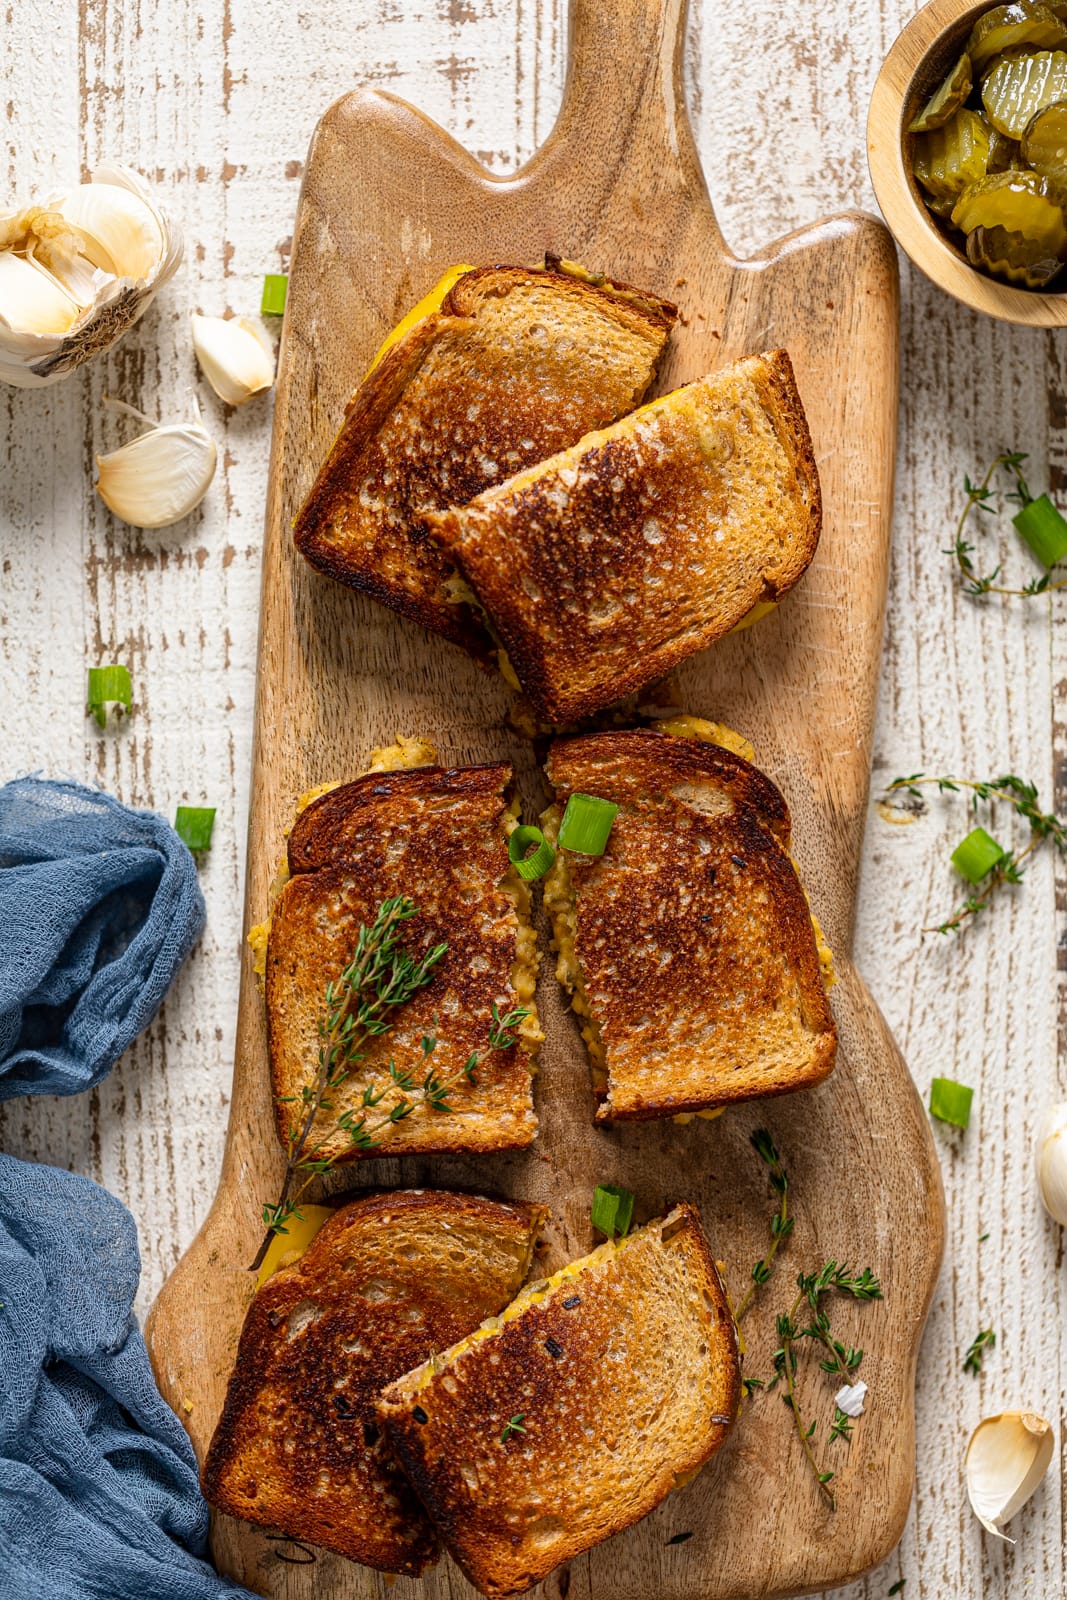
x: 613, y: 1210
x: 1043, y: 529
x: 275, y: 289
x: 951, y: 1102
x: 530, y: 866
x: 193, y: 825
x: 108, y: 686
x: 586, y: 824
x: 976, y: 855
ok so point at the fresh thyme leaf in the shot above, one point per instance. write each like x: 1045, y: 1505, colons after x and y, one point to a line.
x: 895, y: 1588
x: 984, y: 1340
x: 982, y: 497
x: 514, y: 1426
x: 750, y: 1385
x: 360, y: 1005
x: 841, y: 1361
x: 1023, y: 799
x: 781, y: 1221
x: 680, y: 1538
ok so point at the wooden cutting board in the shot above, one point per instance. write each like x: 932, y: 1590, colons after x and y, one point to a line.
x: 388, y: 201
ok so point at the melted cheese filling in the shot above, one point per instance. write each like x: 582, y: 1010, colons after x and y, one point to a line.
x: 424, y: 308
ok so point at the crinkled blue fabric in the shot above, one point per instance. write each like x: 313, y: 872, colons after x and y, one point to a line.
x: 99, y: 907
x: 99, y: 1498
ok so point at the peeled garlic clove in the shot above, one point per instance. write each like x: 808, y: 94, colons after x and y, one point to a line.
x: 1006, y: 1459
x: 31, y: 301
x: 107, y: 247
x: 1052, y: 1163
x: 122, y: 234
x: 160, y: 477
x: 235, y: 355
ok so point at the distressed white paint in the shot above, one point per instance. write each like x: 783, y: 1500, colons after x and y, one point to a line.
x: 216, y: 101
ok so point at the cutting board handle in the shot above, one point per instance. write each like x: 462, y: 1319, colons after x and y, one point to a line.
x: 624, y: 81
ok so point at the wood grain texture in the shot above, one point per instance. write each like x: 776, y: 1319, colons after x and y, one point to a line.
x: 387, y: 203
x: 778, y: 97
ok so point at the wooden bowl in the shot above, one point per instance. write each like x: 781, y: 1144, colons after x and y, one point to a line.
x: 920, y: 59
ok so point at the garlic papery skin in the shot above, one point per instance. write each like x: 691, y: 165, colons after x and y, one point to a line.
x: 1006, y: 1459
x: 106, y: 247
x: 1052, y: 1163
x: 160, y: 477
x: 235, y: 356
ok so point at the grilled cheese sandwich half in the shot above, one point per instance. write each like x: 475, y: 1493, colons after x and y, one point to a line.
x: 440, y: 837
x: 604, y: 567
x: 575, y: 1411
x: 688, y: 947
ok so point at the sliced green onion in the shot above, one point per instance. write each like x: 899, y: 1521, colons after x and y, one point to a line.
x: 951, y: 1102
x: 193, y: 825
x: 613, y: 1210
x: 108, y: 686
x: 586, y: 824
x: 1043, y: 529
x: 976, y: 855
x: 275, y: 289
x: 530, y: 866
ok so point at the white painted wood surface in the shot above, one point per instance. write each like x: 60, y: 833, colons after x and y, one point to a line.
x: 216, y: 102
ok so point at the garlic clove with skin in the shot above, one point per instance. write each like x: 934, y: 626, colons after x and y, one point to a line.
x: 235, y: 355
x: 160, y: 477
x: 31, y: 301
x: 1052, y: 1163
x: 102, y: 250
x: 1006, y: 1459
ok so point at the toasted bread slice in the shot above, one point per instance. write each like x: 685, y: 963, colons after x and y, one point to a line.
x: 688, y: 946
x: 604, y: 567
x: 518, y: 363
x: 620, y: 1379
x: 388, y: 1279
x: 438, y: 836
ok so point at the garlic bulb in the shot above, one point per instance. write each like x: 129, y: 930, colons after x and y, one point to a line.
x: 77, y: 271
x: 1006, y: 1459
x: 236, y: 357
x: 1052, y: 1163
x: 159, y: 477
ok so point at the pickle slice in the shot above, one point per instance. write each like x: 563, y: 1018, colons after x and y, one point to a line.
x: 1019, y: 202
x: 1004, y: 153
x: 945, y: 101
x: 947, y: 159
x: 1010, y: 27
x: 1019, y: 86
x: 1045, y: 140
x: 1012, y: 256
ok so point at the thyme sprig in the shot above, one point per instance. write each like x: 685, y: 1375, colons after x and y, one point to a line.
x: 781, y: 1221
x: 840, y: 1360
x: 982, y: 497
x: 1023, y: 799
x: 984, y: 1340
x: 358, y: 1006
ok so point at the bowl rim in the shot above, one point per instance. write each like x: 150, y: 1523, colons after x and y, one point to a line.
x: 908, y: 220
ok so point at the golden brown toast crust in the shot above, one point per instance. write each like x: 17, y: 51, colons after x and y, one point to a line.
x: 694, y: 936
x: 603, y: 568
x: 517, y: 364
x: 438, y: 836
x: 626, y: 1379
x: 377, y: 1290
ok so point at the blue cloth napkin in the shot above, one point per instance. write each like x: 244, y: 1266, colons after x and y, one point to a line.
x: 99, y: 1497
x: 99, y: 907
